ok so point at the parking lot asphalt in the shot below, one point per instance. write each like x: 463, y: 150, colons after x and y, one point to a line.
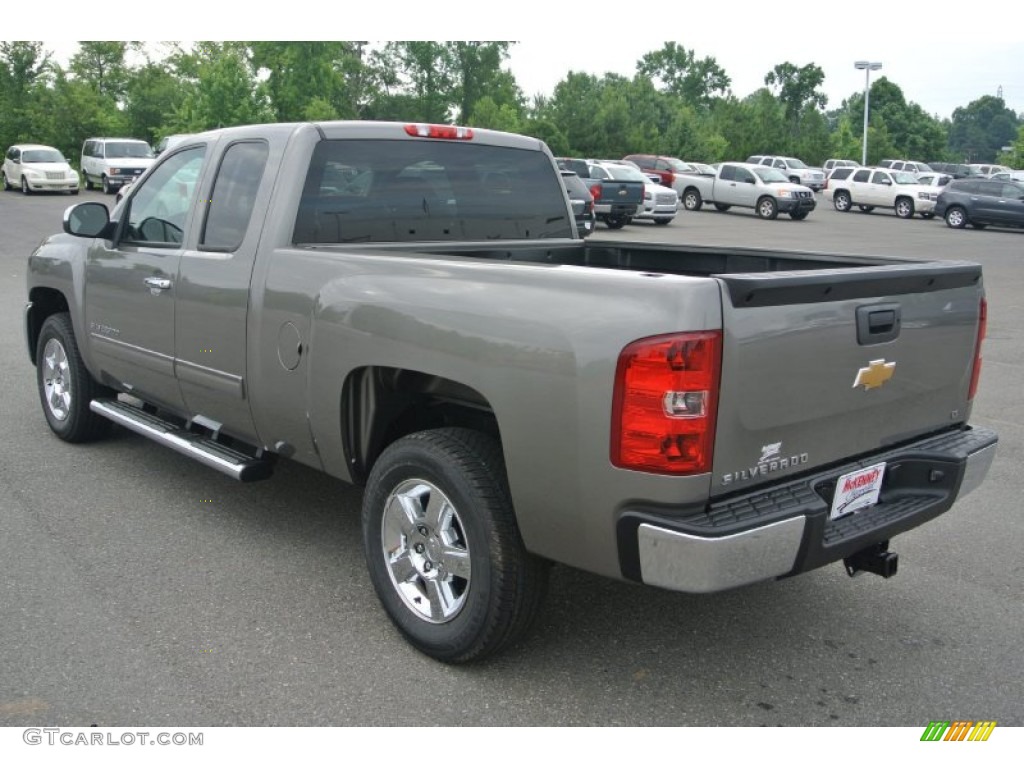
x: 139, y: 587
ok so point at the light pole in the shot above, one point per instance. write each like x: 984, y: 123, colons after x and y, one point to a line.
x: 867, y: 66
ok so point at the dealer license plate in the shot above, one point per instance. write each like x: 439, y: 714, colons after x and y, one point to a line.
x: 857, y: 490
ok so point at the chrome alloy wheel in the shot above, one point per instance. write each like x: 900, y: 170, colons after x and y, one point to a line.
x: 426, y: 551
x: 56, y: 380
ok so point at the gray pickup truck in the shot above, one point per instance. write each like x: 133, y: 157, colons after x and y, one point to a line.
x: 746, y: 185
x: 408, y: 308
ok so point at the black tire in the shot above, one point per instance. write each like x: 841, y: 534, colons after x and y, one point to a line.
x: 65, y: 385
x: 798, y: 215
x: 866, y: 208
x: 956, y: 217
x: 767, y: 208
x: 88, y: 183
x: 692, y: 200
x: 722, y: 206
x: 456, y: 479
x: 106, y: 186
x: 615, y: 222
x: 842, y: 201
x: 904, y: 207
x: 7, y: 184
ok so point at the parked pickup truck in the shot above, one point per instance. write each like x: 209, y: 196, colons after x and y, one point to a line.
x: 618, y: 196
x: 747, y: 185
x: 408, y: 308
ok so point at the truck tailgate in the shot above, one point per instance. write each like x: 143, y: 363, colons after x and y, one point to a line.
x: 823, y: 366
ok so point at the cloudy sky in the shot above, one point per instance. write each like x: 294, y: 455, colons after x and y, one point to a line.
x: 941, y: 60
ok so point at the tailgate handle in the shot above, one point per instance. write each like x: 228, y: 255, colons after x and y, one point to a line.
x: 878, y: 323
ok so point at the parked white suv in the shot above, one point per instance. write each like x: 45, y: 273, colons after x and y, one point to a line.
x: 37, y: 167
x: 797, y: 171
x: 109, y: 163
x: 870, y: 188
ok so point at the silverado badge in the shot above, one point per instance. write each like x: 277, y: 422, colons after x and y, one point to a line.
x: 875, y: 375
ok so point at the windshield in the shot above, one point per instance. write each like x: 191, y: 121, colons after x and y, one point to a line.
x: 678, y: 165
x: 769, y: 175
x: 902, y: 177
x: 128, y: 149
x: 792, y: 162
x: 625, y: 173
x: 42, y: 156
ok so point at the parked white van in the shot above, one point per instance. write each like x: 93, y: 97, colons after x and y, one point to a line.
x: 109, y: 163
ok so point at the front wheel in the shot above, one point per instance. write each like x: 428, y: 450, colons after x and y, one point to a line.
x: 842, y: 201
x: 905, y: 208
x: 956, y: 217
x: 692, y: 200
x: 442, y: 545
x: 722, y: 206
x: 108, y: 188
x: 767, y: 208
x: 88, y: 181
x: 7, y: 184
x: 65, y: 384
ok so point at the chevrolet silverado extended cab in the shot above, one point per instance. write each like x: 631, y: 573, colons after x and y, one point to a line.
x: 746, y: 185
x: 409, y: 308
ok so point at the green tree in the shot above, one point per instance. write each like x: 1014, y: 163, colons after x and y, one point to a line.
x: 24, y: 70
x: 300, y: 74
x: 220, y: 89
x: 101, y: 64
x: 152, y: 96
x: 478, y: 73
x: 682, y: 74
x: 981, y: 129
x: 797, y: 89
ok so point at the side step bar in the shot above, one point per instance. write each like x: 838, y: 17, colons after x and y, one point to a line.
x: 206, y: 451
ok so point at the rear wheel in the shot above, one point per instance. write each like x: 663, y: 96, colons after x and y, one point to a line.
x: 65, y: 385
x: 443, y: 549
x: 615, y: 222
x: 956, y: 217
x: 905, y: 208
x: 842, y: 201
x: 692, y: 200
x: 722, y: 206
x: 767, y: 208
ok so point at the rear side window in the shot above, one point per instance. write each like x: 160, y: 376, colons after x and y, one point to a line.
x: 233, y: 196
x: 384, y: 191
x: 728, y: 172
x: 862, y: 175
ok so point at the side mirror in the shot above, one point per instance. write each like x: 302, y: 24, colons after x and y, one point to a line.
x: 87, y: 220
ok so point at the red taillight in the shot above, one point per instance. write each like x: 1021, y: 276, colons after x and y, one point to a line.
x: 429, y: 131
x: 665, y: 403
x: 982, y: 331
x: 595, y: 192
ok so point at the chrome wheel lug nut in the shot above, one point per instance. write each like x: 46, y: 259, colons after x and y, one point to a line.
x: 419, y: 549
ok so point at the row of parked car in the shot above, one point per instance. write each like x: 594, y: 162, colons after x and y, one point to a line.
x: 107, y: 163
x: 976, y: 200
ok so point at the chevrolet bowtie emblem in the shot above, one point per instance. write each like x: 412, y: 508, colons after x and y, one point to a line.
x: 875, y: 375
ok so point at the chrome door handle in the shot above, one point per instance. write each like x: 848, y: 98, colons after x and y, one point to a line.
x: 157, y: 283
